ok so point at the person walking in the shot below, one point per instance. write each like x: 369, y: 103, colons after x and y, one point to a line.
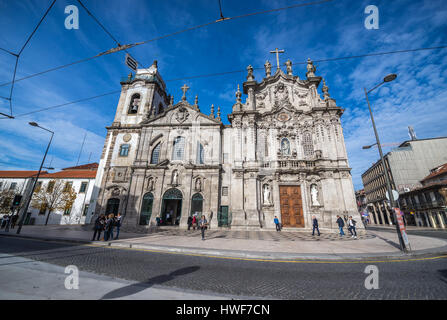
x: 315, y: 226
x: 341, y: 224
x: 8, y: 222
x: 99, y: 226
x: 108, y: 232
x: 189, y: 222
x: 117, y: 225
x: 351, y: 227
x: 203, y: 224
x: 14, y: 220
x: 276, y: 221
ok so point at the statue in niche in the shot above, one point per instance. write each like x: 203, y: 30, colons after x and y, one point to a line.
x: 135, y: 104
x: 174, y: 178
x: 151, y: 184
x: 314, y: 195
x: 266, y: 194
x: 198, y: 185
x: 285, y: 147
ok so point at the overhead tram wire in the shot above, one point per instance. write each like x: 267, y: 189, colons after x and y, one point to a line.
x: 124, y: 47
x: 18, y: 56
x: 238, y: 71
x: 105, y: 30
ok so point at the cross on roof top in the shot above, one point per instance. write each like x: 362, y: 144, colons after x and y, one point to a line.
x: 277, y: 51
x: 184, y: 89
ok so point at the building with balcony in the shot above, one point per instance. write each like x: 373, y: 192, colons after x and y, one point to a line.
x: 406, y: 165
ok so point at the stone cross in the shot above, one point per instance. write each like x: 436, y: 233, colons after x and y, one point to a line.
x: 184, y: 89
x: 277, y: 55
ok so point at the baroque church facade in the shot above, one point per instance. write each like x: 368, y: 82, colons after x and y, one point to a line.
x: 283, y: 154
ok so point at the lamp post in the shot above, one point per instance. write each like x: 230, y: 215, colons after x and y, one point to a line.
x: 22, y: 218
x: 388, y: 78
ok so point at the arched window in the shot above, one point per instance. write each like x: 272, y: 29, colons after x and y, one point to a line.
x: 197, y: 205
x: 200, y: 153
x: 155, y: 157
x: 113, y: 205
x: 134, y: 103
x: 124, y: 150
x: 308, y: 147
x: 179, y: 148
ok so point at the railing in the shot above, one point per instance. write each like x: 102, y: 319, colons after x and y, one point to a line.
x: 288, y: 164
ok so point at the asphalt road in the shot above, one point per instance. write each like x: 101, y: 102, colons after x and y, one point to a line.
x: 419, y: 279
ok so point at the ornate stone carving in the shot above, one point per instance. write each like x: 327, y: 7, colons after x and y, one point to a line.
x: 181, y: 115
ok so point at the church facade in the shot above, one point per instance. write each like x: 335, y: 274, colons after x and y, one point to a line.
x: 283, y: 154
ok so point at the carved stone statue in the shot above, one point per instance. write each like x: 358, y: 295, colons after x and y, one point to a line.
x: 268, y: 69
x: 310, y: 69
x: 314, y: 194
x: 285, y: 147
x: 250, y: 76
x: 151, y: 184
x: 175, y: 177
x: 289, y: 67
x: 198, y: 185
x: 266, y: 194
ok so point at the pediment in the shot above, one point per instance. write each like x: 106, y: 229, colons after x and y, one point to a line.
x: 181, y: 113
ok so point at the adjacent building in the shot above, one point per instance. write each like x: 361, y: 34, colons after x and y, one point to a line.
x: 406, y: 165
x: 283, y: 154
x: 426, y: 206
x: 80, y: 178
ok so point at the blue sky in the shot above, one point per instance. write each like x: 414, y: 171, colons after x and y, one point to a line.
x: 418, y: 97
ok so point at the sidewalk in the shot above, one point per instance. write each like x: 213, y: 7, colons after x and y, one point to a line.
x: 248, y: 245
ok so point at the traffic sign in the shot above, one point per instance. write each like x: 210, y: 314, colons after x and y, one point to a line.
x: 395, y: 195
x: 400, y: 222
x: 131, y: 62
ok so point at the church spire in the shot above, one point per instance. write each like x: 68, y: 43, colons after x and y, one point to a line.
x: 238, y: 95
x: 212, y: 111
x: 325, y: 90
x: 218, y: 113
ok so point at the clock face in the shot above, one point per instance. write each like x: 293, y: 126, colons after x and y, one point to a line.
x: 283, y: 117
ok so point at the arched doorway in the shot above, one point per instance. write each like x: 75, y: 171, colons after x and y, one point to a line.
x: 146, y: 209
x: 171, y: 210
x: 113, y: 205
x: 197, y: 205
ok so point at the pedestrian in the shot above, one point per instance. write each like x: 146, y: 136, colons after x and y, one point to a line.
x: 8, y: 221
x: 194, y: 221
x: 117, y: 225
x: 315, y: 225
x: 203, y: 224
x: 351, y: 227
x: 3, y: 224
x: 14, y: 220
x: 158, y: 220
x: 99, y: 226
x: 276, y: 221
x: 341, y: 224
x: 108, y: 233
x: 189, y: 222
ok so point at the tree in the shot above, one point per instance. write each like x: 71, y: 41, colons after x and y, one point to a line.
x: 59, y: 195
x: 6, y: 197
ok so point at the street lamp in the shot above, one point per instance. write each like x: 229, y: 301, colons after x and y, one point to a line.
x: 388, y: 78
x: 22, y: 218
x: 369, y: 147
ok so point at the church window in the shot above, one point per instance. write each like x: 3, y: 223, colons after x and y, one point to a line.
x: 179, y: 148
x: 308, y: 147
x: 155, y: 157
x: 266, y: 146
x: 124, y: 150
x: 224, y: 191
x: 200, y: 153
x: 285, y: 147
x: 134, y: 103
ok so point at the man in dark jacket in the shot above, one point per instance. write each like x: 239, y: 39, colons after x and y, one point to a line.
x: 315, y: 225
x: 99, y: 226
x: 189, y: 222
x: 108, y: 233
x: 341, y: 224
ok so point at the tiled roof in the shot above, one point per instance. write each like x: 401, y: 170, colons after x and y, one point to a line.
x: 71, y: 174
x: 437, y: 172
x: 19, y: 174
x: 88, y: 166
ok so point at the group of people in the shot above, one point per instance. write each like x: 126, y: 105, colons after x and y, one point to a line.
x: 341, y: 223
x: 194, y: 222
x: 9, y: 221
x: 107, y: 224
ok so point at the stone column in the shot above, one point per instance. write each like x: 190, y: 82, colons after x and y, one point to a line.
x: 388, y: 214
x: 432, y: 219
x: 375, y: 217
x: 382, y: 217
x: 441, y: 222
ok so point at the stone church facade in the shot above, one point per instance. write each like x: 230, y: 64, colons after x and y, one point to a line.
x: 283, y: 154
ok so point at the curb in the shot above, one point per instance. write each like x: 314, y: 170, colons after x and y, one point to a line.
x: 248, y: 255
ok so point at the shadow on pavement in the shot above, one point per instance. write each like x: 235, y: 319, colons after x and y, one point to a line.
x: 138, y: 287
x: 391, y: 243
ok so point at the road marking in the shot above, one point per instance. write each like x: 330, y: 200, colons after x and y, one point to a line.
x: 243, y: 259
